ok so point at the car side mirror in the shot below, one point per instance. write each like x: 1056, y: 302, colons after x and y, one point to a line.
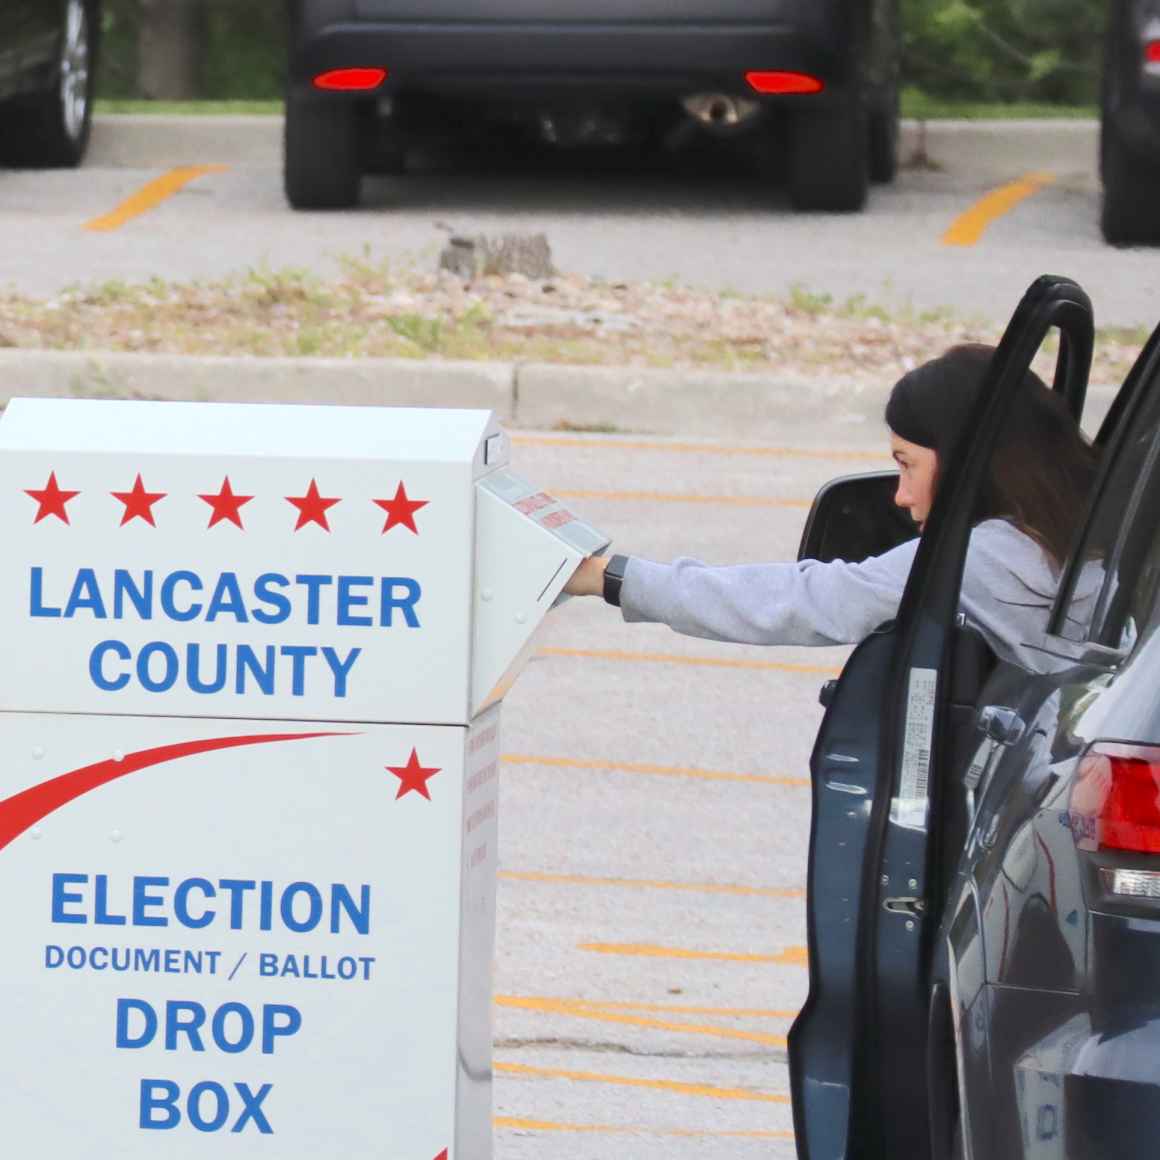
x: 855, y: 517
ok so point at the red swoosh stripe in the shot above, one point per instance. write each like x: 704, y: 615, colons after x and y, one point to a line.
x: 32, y: 805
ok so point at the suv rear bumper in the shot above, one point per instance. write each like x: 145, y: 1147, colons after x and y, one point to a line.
x: 601, y: 60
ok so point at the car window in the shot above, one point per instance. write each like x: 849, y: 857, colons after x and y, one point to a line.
x: 1128, y: 602
x: 1119, y: 555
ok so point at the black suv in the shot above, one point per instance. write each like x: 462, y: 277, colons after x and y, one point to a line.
x: 47, y: 64
x: 1130, y: 122
x: 811, y: 82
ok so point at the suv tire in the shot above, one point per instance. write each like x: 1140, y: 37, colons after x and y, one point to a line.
x: 1131, y: 208
x: 829, y: 157
x: 884, y: 132
x: 321, y: 157
x: 885, y: 41
x: 51, y: 129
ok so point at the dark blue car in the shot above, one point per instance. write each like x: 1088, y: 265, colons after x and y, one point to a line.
x: 984, y: 879
x: 813, y: 83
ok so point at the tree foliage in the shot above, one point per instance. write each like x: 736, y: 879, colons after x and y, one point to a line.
x: 241, y: 54
x: 1004, y: 50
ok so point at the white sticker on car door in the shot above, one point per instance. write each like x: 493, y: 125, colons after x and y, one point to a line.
x: 910, y: 806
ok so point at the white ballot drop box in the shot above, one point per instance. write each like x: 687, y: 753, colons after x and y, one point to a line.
x: 249, y: 727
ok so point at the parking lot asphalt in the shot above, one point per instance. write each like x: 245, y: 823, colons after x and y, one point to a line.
x: 925, y: 243
x: 654, y: 822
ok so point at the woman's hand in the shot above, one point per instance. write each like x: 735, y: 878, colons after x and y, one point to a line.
x: 588, y: 579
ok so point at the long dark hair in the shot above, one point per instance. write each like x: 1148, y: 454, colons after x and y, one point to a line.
x: 1042, y: 467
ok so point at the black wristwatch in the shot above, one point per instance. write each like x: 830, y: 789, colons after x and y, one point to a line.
x: 613, y: 578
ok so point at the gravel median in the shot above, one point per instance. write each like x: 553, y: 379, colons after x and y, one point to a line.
x: 373, y: 312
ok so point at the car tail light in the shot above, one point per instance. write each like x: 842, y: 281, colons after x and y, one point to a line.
x: 351, y: 80
x: 1115, y: 801
x: 1152, y: 52
x: 784, y: 82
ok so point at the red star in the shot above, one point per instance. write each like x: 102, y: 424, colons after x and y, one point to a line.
x: 51, y: 499
x: 138, y: 502
x: 226, y: 505
x: 401, y: 510
x: 412, y: 776
x: 311, y: 507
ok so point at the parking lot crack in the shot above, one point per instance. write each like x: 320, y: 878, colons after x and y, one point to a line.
x: 604, y: 1047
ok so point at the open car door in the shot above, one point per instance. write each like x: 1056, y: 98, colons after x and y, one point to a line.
x: 858, y: 1048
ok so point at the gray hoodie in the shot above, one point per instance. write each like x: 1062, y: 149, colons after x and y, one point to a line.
x: 1009, y: 585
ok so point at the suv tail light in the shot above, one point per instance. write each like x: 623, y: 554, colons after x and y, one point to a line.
x: 1115, y: 801
x: 351, y: 80
x: 783, y: 82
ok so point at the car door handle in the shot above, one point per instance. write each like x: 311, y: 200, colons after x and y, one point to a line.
x: 1001, y: 724
x: 910, y: 905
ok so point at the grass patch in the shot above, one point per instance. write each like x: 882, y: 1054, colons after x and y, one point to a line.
x: 920, y: 107
x: 915, y: 104
x: 190, y: 108
x: 807, y: 301
x: 1124, y: 335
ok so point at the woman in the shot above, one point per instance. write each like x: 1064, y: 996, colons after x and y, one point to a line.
x: 1040, y: 475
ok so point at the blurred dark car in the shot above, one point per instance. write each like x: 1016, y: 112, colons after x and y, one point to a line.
x: 47, y: 66
x: 984, y: 873
x: 813, y: 83
x: 1130, y: 122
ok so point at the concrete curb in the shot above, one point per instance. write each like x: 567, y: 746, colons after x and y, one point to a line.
x: 712, y: 403
x: 382, y: 382
x: 757, y: 407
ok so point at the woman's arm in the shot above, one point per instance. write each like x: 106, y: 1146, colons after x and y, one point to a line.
x: 800, y: 603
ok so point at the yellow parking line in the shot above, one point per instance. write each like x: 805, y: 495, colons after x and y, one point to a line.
x: 647, y: 769
x: 969, y: 227
x: 601, y: 1005
x: 599, y: 1015
x: 674, y: 659
x: 518, y: 1124
x: 666, y: 1085
x: 696, y: 448
x: 150, y: 196
x: 793, y: 956
x: 667, y: 497
x: 647, y: 884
